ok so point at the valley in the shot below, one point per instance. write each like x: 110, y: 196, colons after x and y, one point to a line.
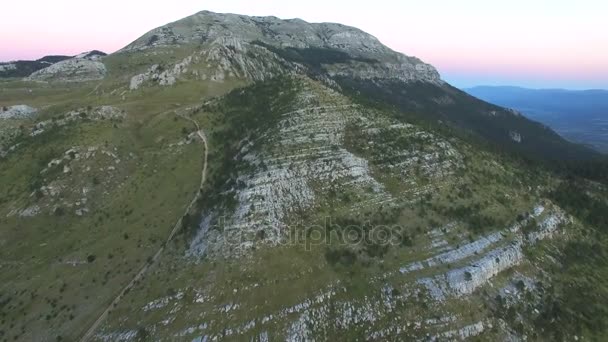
x: 579, y: 116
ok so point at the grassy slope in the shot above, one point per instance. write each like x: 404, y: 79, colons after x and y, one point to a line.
x: 131, y: 210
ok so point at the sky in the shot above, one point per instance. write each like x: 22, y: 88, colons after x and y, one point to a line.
x: 530, y: 43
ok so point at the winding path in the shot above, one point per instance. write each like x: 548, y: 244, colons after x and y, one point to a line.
x: 201, y: 134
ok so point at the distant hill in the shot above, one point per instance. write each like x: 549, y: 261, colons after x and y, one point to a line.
x: 580, y: 116
x: 17, y: 69
x: 26, y: 68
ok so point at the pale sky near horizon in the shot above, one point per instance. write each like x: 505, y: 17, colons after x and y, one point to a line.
x: 533, y: 43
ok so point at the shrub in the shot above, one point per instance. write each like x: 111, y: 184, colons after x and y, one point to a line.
x: 187, y: 221
x: 59, y: 211
x: 342, y: 256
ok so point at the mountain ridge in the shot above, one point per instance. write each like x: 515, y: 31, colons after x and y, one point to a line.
x: 578, y: 115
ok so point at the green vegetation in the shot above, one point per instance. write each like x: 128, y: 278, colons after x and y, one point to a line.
x: 574, y: 302
x: 484, y: 124
x: 104, y: 217
x: 314, y: 57
x: 241, y: 114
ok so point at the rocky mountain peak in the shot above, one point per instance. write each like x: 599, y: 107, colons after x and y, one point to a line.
x: 361, y: 54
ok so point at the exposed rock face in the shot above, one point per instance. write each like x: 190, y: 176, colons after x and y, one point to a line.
x: 282, y: 183
x: 24, y: 68
x: 404, y: 68
x: 278, y: 184
x: 455, y: 255
x: 515, y: 136
x: 464, y: 280
x: 7, y: 66
x: 208, y: 26
x: 92, y: 55
x: 547, y: 227
x: 222, y: 59
x: 332, y: 308
x: 162, y: 77
x: 17, y: 112
x: 234, y: 57
x: 107, y: 113
x: 364, y: 56
x: 84, y: 67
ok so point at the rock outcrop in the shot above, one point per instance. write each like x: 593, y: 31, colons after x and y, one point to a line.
x: 83, y: 67
x: 162, y: 77
x: 278, y: 184
x: 464, y: 280
x: 17, y: 112
x: 25, y: 68
x: 7, y: 67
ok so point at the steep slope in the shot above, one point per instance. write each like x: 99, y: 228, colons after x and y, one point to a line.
x: 325, y: 214
x: 578, y: 115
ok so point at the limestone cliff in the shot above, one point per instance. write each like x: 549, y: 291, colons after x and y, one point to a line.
x: 364, y: 55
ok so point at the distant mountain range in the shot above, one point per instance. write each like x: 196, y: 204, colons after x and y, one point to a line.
x: 578, y: 115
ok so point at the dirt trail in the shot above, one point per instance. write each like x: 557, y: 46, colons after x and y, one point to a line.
x: 201, y: 134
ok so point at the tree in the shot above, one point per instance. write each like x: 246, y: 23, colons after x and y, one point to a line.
x: 186, y: 221
x: 142, y: 334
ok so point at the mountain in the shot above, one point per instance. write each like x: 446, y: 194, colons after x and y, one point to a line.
x: 27, y: 68
x: 359, y: 64
x: 82, y: 67
x: 578, y: 115
x: 227, y: 177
